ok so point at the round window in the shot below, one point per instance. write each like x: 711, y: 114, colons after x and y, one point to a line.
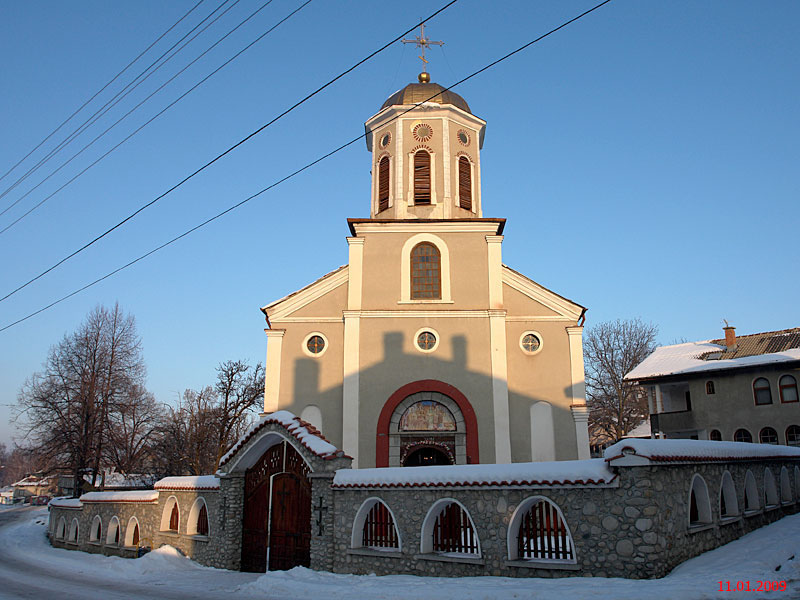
x: 530, y: 342
x: 385, y: 139
x: 315, y: 344
x: 422, y: 132
x: 463, y: 137
x: 426, y: 340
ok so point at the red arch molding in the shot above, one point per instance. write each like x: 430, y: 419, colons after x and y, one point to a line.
x: 426, y: 385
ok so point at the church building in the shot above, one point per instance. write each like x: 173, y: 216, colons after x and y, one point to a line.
x: 425, y: 348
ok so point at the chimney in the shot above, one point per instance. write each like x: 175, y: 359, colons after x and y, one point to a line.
x: 730, y: 337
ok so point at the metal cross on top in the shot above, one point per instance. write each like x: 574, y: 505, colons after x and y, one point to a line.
x: 422, y: 42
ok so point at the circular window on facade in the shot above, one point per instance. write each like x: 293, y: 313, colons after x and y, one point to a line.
x: 385, y: 139
x: 463, y: 137
x: 315, y: 344
x: 530, y: 342
x: 422, y: 132
x: 427, y: 340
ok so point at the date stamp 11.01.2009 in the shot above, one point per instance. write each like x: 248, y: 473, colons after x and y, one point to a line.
x: 752, y: 586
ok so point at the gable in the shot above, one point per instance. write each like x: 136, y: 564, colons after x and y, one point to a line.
x: 525, y: 297
x: 325, y: 297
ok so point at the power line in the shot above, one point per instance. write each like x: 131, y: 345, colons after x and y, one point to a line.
x: 129, y: 87
x: 98, y: 92
x: 219, y: 156
x: 135, y: 108
x: 300, y: 170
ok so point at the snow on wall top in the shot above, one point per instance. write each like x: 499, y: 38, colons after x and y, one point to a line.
x: 66, y: 503
x: 304, y: 432
x: 686, y: 359
x: 659, y: 451
x: 198, y: 482
x: 566, y: 472
x: 129, y: 496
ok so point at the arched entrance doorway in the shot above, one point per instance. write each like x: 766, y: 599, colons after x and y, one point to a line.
x: 276, y: 529
x: 427, y: 457
x: 426, y: 422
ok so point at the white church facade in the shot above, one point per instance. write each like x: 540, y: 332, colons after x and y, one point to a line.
x: 425, y: 348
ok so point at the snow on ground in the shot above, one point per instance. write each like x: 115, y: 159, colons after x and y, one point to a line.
x: 752, y: 558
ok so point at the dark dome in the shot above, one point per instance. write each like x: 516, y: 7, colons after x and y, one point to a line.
x: 414, y: 93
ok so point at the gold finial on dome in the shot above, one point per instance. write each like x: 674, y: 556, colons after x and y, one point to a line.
x: 424, y: 77
x: 420, y: 41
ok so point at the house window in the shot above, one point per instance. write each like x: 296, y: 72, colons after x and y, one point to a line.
x: 715, y: 435
x: 379, y: 530
x: 787, y: 386
x: 761, y: 391
x: 768, y: 436
x: 793, y: 435
x: 453, y: 531
x: 742, y: 435
x: 543, y: 534
x: 383, y: 184
x: 426, y: 272
x: 422, y: 177
x: 710, y: 388
x: 464, y: 183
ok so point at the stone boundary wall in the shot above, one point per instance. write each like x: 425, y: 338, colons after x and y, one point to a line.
x: 637, y: 528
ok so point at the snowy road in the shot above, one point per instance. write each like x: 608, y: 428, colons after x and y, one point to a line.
x: 31, y: 568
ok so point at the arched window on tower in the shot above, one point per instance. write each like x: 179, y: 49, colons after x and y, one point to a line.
x: 422, y: 177
x: 383, y: 184
x: 426, y: 272
x: 464, y: 183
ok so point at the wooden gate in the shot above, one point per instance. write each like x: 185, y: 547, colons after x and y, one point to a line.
x: 277, y: 511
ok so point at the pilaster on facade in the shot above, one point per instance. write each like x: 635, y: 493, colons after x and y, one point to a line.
x: 355, y: 247
x: 350, y: 384
x: 499, y: 360
x: 495, y: 258
x: 580, y: 414
x: 272, y: 371
x: 577, y: 371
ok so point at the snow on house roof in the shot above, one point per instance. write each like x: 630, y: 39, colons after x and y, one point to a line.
x: 33, y: 481
x: 305, y: 433
x: 711, y: 355
x: 642, y: 430
x: 633, y: 452
x: 556, y: 473
x: 66, y: 503
x: 198, y: 482
x: 129, y: 496
x: 124, y: 480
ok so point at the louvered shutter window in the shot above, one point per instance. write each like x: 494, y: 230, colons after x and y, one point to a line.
x: 383, y: 184
x: 422, y: 177
x: 464, y: 183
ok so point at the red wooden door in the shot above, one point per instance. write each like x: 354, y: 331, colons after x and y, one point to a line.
x: 290, y: 527
x: 277, y: 511
x: 256, y: 509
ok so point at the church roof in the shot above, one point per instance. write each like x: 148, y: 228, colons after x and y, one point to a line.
x: 415, y: 93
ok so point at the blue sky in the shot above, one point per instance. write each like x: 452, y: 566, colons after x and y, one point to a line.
x: 645, y: 158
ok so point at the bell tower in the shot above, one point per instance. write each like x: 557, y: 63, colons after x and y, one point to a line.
x: 425, y: 144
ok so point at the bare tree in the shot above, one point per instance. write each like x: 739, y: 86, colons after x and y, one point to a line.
x: 132, y: 428
x: 194, y: 435
x: 65, y: 409
x: 611, y: 350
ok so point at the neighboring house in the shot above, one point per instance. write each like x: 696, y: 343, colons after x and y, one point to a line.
x: 35, y: 485
x: 741, y: 388
x: 425, y: 348
x: 109, y: 480
x: 7, y: 495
